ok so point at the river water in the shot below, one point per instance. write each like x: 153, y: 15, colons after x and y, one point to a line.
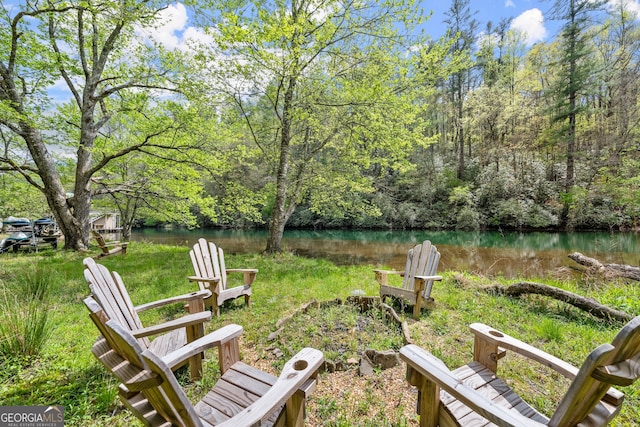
x: 511, y: 255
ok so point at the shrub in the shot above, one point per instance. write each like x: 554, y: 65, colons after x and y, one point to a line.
x: 468, y: 219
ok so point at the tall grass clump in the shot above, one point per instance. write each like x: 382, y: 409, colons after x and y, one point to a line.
x: 25, y: 324
x: 549, y: 329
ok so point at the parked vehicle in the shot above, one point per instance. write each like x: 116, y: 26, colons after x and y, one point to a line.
x: 27, y: 233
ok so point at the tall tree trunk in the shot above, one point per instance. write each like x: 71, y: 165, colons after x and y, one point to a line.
x: 52, y: 188
x: 280, y: 214
x: 461, y: 141
x: 573, y: 93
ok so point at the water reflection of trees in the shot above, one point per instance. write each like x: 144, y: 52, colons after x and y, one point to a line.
x: 590, y: 242
x: 510, y: 254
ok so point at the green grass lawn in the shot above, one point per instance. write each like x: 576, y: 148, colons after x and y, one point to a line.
x: 48, y: 288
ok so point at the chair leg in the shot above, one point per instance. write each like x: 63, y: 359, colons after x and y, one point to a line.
x: 428, y: 403
x: 295, y: 410
x: 228, y: 354
x: 195, y: 306
x: 195, y: 363
x: 247, y: 300
x: 416, y: 308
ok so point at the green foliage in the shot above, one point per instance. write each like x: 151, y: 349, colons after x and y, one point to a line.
x: 20, y: 199
x: 324, y: 97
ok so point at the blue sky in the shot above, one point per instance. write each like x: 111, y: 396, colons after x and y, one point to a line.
x: 526, y: 15
x: 529, y: 16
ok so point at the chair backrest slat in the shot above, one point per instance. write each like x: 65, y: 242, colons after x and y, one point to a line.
x: 180, y: 410
x: 413, y: 257
x: 208, y: 261
x: 422, y: 260
x: 199, y: 265
x: 431, y: 270
x: 133, y: 352
x: 110, y: 292
x: 222, y: 268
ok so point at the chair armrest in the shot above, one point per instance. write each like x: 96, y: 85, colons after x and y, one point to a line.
x: 388, y: 272
x: 202, y: 294
x: 426, y: 278
x: 188, y: 320
x: 204, y: 279
x: 495, y: 337
x: 294, y: 375
x: 249, y: 274
x: 381, y: 275
x: 434, y: 370
x: 213, y: 339
x: 506, y: 342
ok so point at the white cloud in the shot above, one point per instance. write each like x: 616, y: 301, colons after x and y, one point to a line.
x: 631, y: 6
x: 172, y: 30
x: 509, y: 3
x: 172, y: 21
x: 530, y: 23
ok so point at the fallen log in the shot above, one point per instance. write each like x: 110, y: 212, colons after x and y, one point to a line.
x: 587, y: 304
x: 607, y: 270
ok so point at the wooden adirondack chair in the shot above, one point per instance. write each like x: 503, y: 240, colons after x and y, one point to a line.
x: 211, y: 274
x: 106, y: 350
x: 474, y: 395
x: 418, y: 277
x: 109, y: 248
x: 243, y: 396
x: 110, y: 293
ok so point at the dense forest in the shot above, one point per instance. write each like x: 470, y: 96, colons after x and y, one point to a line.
x: 318, y: 113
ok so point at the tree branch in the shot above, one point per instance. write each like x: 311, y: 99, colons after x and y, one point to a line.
x: 61, y: 68
x: 589, y: 305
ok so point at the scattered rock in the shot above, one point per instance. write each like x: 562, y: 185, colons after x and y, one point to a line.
x: 366, y: 366
x: 385, y: 359
x: 274, y: 335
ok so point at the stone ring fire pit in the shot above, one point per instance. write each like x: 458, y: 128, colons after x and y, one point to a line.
x: 358, y: 332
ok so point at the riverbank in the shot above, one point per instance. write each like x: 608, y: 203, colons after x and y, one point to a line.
x: 67, y: 374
